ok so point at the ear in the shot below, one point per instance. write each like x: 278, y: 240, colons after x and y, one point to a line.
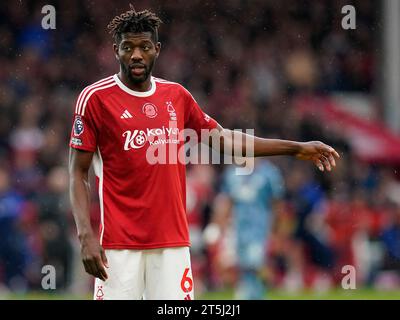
x: 115, y: 48
x: 158, y: 49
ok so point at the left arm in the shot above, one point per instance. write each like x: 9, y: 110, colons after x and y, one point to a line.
x: 321, y: 154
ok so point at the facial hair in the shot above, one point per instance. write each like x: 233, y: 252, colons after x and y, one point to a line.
x: 136, y: 80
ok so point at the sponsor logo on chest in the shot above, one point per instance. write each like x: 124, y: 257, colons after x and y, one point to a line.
x: 136, y: 139
x: 165, y: 134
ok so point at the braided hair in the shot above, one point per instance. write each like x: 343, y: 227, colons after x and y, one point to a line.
x: 136, y: 22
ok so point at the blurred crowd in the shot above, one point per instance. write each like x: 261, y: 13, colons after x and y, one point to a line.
x: 245, y: 62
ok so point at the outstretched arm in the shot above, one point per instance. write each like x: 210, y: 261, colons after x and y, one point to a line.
x: 322, y: 155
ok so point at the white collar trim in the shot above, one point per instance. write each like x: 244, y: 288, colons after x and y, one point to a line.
x: 136, y: 93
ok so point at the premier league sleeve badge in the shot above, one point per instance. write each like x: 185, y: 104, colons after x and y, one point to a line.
x: 78, y: 126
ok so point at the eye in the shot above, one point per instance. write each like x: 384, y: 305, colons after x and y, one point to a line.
x: 126, y: 48
x: 146, y: 48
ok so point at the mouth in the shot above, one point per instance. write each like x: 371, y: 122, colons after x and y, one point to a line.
x: 137, y: 70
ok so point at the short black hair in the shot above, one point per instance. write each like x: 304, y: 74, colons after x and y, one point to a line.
x: 136, y: 22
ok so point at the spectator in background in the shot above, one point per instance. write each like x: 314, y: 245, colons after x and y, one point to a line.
x: 53, y: 209
x: 219, y: 238
x: 252, y: 198
x: 308, y: 200
x: 200, y: 179
x: 13, y: 249
x: 391, y: 242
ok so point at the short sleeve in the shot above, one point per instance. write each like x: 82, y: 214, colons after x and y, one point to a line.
x: 195, y: 118
x: 86, y: 123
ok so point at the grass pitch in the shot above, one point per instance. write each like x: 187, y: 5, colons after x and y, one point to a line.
x: 336, y: 294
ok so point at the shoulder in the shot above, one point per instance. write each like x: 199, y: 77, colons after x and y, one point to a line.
x: 88, y: 94
x: 99, y: 85
x: 161, y: 81
x: 171, y: 85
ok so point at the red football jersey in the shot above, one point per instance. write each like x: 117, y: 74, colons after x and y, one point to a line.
x: 142, y: 203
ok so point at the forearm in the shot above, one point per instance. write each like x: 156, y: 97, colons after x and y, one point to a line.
x: 239, y: 143
x: 274, y: 147
x: 80, y: 200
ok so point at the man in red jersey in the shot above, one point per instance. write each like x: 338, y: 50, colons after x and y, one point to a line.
x: 144, y: 240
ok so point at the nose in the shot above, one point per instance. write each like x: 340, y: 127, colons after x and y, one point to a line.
x: 136, y: 55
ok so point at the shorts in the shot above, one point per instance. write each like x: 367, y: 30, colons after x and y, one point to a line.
x: 151, y: 274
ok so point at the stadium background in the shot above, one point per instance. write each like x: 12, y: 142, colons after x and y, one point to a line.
x: 285, y: 68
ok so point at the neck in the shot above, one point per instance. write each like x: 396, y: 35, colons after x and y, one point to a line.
x: 141, y: 87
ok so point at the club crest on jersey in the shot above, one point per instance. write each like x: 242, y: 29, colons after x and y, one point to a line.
x: 150, y: 110
x: 171, y: 111
x: 170, y: 107
x: 78, y: 126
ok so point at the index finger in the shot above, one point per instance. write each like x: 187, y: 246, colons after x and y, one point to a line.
x: 331, y: 151
x: 335, y: 153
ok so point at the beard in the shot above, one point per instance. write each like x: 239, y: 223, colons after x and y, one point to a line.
x: 137, y: 79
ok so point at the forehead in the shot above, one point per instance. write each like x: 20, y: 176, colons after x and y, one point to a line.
x: 136, y: 37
